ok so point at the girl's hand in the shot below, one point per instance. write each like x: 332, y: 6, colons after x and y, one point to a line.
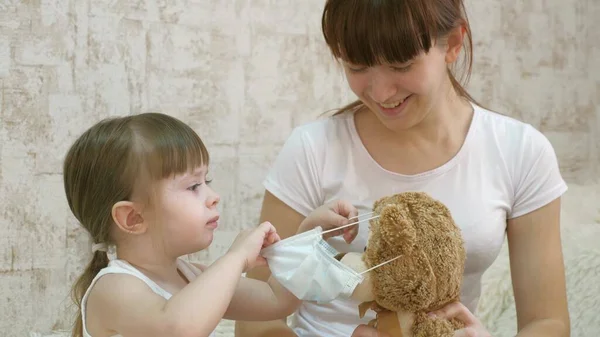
x: 249, y: 242
x: 473, y: 327
x: 332, y: 215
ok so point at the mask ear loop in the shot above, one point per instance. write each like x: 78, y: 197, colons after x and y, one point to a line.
x: 357, y: 222
x: 358, y: 216
x: 379, y: 265
x: 350, y: 224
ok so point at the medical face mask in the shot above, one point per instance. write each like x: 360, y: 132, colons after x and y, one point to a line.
x: 306, y: 265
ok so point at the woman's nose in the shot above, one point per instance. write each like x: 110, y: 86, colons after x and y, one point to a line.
x: 382, y: 88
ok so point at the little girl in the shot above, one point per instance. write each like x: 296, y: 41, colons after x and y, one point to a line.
x: 139, y: 184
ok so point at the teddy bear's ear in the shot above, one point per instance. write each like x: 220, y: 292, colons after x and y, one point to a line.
x: 396, y: 226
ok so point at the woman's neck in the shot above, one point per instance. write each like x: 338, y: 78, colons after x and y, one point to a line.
x: 446, y: 125
x: 430, y: 144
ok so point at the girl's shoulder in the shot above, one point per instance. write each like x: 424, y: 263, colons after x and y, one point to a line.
x: 111, y: 297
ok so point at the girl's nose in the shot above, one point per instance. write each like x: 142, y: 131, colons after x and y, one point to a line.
x: 213, y: 199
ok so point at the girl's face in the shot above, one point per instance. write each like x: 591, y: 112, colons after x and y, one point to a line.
x: 403, y: 95
x: 187, y: 212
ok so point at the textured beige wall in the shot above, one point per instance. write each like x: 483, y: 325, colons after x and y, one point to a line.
x: 229, y: 68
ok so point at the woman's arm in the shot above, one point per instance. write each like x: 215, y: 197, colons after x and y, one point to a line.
x: 286, y: 221
x: 538, y: 274
x: 538, y: 279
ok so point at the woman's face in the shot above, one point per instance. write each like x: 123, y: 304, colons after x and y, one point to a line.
x: 403, y: 95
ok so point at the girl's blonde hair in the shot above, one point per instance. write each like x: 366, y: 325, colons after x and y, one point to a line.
x: 112, y: 159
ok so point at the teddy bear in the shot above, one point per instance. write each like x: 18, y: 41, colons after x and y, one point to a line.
x: 419, y: 237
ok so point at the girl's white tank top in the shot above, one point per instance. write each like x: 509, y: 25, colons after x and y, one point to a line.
x: 122, y: 267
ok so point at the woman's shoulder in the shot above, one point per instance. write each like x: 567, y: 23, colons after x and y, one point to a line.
x: 325, y: 125
x: 499, y: 121
x: 508, y: 131
x: 518, y: 144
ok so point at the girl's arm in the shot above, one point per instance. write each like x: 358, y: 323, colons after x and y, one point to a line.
x: 287, y: 221
x: 256, y: 300
x: 125, y: 305
x: 273, y: 301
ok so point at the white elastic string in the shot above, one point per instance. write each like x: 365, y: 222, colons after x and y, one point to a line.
x: 358, y: 216
x: 381, y: 264
x: 350, y: 224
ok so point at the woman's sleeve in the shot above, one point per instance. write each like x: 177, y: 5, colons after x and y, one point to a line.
x: 294, y: 177
x: 537, y: 175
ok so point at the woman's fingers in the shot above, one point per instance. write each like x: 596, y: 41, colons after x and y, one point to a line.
x: 367, y: 331
x: 473, y: 327
x: 456, y: 310
x: 466, y: 332
x: 350, y: 233
x: 345, y: 208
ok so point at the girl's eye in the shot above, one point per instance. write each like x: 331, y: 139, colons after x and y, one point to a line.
x: 194, y: 187
x: 208, y: 181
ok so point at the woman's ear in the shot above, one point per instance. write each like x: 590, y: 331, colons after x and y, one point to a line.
x: 454, y: 43
x: 128, y: 218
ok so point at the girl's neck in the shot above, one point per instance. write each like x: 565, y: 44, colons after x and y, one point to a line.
x: 149, y: 260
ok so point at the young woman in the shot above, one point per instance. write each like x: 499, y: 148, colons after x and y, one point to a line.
x: 416, y: 128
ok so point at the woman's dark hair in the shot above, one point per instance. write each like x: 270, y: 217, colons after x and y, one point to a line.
x: 371, y: 32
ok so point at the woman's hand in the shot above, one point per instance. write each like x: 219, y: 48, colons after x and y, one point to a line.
x: 473, y: 327
x: 367, y: 331
x: 330, y: 216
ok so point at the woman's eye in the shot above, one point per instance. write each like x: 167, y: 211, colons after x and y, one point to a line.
x: 357, y: 70
x: 401, y: 69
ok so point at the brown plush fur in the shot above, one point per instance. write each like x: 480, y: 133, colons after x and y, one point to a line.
x: 428, y: 274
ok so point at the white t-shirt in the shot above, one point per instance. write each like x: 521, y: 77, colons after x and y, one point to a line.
x: 504, y: 169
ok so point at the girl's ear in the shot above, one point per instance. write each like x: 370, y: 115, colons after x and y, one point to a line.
x: 127, y: 217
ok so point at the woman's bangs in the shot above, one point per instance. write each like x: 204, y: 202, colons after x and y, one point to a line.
x: 374, y: 32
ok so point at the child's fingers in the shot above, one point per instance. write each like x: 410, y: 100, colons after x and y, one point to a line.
x: 265, y: 229
x: 270, y: 239
x: 259, y: 262
x: 274, y: 238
